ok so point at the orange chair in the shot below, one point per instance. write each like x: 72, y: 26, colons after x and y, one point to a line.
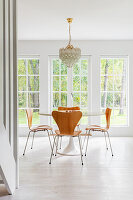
x: 66, y: 121
x: 102, y: 129
x: 65, y: 109
x: 47, y: 128
x: 69, y: 108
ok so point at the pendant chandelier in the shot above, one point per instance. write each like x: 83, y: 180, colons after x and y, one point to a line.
x: 69, y: 55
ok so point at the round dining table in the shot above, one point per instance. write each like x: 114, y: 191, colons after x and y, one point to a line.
x: 70, y: 149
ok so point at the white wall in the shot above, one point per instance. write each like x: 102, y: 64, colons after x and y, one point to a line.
x: 93, y: 48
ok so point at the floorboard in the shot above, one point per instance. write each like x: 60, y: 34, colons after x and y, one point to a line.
x: 102, y: 177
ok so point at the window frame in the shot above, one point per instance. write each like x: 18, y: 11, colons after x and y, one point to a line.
x: 113, y: 92
x: 37, y: 57
x: 70, y: 82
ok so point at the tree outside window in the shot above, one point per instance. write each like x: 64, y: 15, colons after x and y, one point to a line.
x: 28, y: 89
x: 114, y: 89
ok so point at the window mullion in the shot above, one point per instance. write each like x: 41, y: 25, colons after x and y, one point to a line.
x: 80, y: 81
x: 27, y: 82
x: 60, y: 83
x: 118, y: 100
x: 113, y: 89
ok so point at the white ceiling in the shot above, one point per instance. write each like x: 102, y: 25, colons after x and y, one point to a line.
x: 92, y: 19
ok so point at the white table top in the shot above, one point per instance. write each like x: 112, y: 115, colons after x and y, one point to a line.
x: 87, y: 114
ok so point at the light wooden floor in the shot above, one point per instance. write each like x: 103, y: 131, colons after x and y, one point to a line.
x: 101, y: 178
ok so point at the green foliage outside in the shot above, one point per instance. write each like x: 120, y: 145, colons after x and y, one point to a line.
x: 22, y: 119
x: 113, y: 89
x: 80, y: 88
x: 116, y: 118
x: 28, y: 88
x: 80, y: 85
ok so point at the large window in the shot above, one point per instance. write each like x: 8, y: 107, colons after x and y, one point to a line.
x: 28, y: 88
x: 59, y: 84
x: 69, y: 87
x: 80, y: 87
x: 114, y: 89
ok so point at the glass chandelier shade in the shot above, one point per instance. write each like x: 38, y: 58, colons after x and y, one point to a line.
x: 69, y: 55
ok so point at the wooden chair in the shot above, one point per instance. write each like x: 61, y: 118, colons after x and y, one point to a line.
x: 102, y: 129
x: 65, y: 109
x: 47, y: 128
x: 67, y: 121
x: 69, y: 108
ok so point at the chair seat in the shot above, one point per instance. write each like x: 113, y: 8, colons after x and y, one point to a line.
x: 76, y: 133
x: 96, y: 128
x: 85, y: 134
x: 41, y: 128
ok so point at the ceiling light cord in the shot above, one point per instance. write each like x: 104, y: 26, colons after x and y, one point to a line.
x: 69, y: 35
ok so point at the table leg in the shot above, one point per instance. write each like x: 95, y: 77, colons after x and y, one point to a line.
x: 70, y: 149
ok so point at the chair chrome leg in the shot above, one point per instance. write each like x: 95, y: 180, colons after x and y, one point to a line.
x: 80, y: 150
x: 32, y: 140
x: 57, y: 145
x: 87, y: 143
x: 52, y: 150
x: 60, y: 142
x: 106, y: 141
x: 26, y: 142
x: 49, y: 139
x: 110, y: 144
x: 84, y: 141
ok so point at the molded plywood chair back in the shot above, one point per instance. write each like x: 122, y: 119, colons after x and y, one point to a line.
x: 69, y: 108
x: 67, y: 121
x: 29, y: 113
x: 36, y: 129
x: 102, y: 129
x: 108, y: 116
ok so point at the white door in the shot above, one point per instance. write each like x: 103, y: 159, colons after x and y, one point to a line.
x: 8, y: 95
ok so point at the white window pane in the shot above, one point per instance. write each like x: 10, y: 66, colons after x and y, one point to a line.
x: 21, y: 67
x: 120, y: 100
x: 22, y: 99
x: 84, y: 120
x: 33, y: 66
x: 76, y: 99
x: 76, y: 83
x: 33, y: 100
x: 63, y: 83
x: 36, y: 117
x: 56, y: 64
x: 107, y: 83
x: 28, y: 81
x: 33, y: 83
x: 106, y: 99
x: 120, y: 117
x: 106, y: 66
x: 84, y: 99
x: 63, y: 69
x: 61, y: 89
x: 55, y: 100
x: 76, y: 69
x: 119, y: 67
x: 22, y: 83
x: 63, y: 99
x: 119, y: 83
x: 84, y: 67
x: 22, y: 118
x: 114, y: 89
x: 56, y: 83
x: 84, y: 83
